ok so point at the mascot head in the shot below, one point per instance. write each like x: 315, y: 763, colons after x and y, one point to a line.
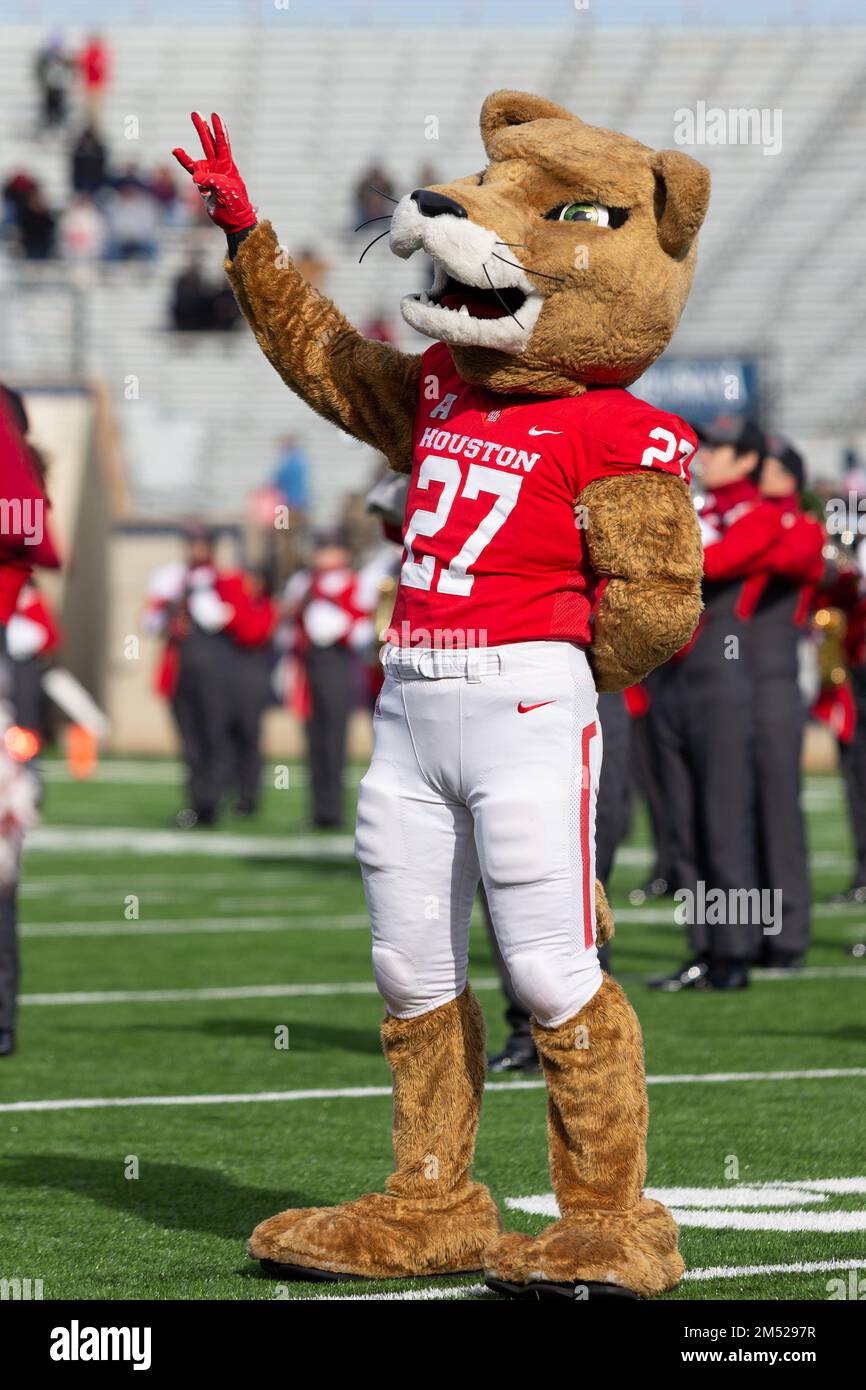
x: 567, y: 262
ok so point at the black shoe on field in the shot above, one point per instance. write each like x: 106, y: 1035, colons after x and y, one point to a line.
x: 7, y: 1042
x: 692, y: 975
x: 656, y: 888
x: 518, y: 1054
x: 728, y: 974
x: 782, y: 960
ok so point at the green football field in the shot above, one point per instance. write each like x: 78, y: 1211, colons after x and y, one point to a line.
x: 152, y: 1114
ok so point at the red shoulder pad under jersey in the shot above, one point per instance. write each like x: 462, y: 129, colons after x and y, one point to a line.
x: 615, y: 432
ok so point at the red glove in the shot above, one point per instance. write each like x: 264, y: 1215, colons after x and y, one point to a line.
x: 216, y: 177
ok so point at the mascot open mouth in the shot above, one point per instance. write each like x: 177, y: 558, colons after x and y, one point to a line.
x: 478, y: 303
x: 494, y: 314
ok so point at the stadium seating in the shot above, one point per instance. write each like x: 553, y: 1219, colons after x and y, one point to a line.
x: 782, y: 265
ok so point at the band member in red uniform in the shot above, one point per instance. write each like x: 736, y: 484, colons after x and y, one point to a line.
x: 32, y: 634
x: 841, y: 703
x: 200, y: 611
x: 25, y: 541
x: 331, y: 606
x: 251, y: 663
x: 702, y: 715
x: 778, y: 598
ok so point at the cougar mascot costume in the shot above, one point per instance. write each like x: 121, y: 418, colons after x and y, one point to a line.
x: 551, y: 551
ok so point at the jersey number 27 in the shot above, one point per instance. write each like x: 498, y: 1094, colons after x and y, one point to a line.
x: 418, y: 573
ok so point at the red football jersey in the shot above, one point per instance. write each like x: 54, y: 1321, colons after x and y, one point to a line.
x: 493, y: 552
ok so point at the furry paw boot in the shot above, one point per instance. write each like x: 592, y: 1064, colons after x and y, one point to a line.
x: 609, y: 1237
x: 431, y: 1219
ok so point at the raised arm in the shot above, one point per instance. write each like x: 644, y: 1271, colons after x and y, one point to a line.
x: 368, y: 389
x: 643, y: 538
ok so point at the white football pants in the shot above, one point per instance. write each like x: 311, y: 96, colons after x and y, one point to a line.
x: 485, y: 765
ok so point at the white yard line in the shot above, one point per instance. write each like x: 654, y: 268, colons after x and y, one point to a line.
x: 194, y: 926
x: 95, y: 839
x: 174, y: 996
x: 700, y: 1275
x: 164, y: 772
x: 797, y: 1267
x: 363, y: 1092
x: 92, y: 839
x: 177, y: 996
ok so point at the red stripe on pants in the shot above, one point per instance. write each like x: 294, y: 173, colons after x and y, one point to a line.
x: 586, y: 738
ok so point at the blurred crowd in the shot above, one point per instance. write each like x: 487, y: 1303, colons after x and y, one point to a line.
x: 115, y: 209
x: 110, y: 208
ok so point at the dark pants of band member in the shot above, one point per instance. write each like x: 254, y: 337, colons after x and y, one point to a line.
x: 648, y: 781
x: 8, y: 957
x: 852, y: 761
x: 250, y: 692
x: 701, y: 720
x: 329, y: 673
x: 27, y: 693
x: 783, y: 860
x: 612, y: 813
x: 202, y: 712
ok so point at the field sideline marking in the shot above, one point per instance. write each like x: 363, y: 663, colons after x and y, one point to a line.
x: 99, y: 839
x: 364, y: 1092
x: 471, y: 1290
x: 175, y: 996
x: 132, y: 840
x: 186, y: 926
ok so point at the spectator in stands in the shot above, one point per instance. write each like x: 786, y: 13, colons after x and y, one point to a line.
x: 312, y: 266
x: 373, y: 195
x: 37, y: 227
x: 131, y: 176
x: 133, y: 224
x: 291, y: 477
x: 94, y: 68
x: 16, y: 191
x: 53, y: 71
x: 200, y: 304
x: 89, y: 162
x: 378, y: 327
x: 83, y: 233
x: 163, y: 189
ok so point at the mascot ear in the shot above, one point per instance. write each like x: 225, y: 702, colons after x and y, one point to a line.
x: 682, y: 195
x: 505, y: 108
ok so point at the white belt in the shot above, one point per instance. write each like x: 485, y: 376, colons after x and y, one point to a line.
x: 440, y: 663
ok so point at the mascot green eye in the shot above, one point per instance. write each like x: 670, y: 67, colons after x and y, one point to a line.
x: 585, y: 212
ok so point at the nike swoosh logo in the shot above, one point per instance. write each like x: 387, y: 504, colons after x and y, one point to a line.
x: 524, y: 709
x: 534, y: 430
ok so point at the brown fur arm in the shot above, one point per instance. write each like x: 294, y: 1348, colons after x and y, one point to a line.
x: 643, y: 536
x: 368, y: 389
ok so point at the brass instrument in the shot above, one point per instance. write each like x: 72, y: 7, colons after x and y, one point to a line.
x: 830, y: 626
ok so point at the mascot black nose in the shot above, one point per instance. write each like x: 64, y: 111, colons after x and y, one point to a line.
x: 434, y: 204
